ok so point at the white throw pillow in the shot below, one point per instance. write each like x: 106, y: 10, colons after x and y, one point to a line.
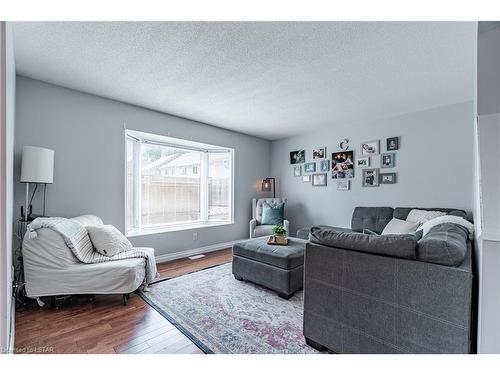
x: 421, y: 216
x: 396, y: 226
x: 108, y: 240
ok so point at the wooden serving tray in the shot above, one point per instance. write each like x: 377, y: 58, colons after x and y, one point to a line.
x: 277, y: 240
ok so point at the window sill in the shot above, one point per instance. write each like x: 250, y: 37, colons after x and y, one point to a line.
x: 176, y: 228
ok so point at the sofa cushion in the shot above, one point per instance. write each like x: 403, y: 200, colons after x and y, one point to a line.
x: 272, y: 214
x: 402, y: 212
x: 373, y: 218
x: 444, y: 244
x: 397, y: 226
x: 395, y: 245
x: 303, y: 233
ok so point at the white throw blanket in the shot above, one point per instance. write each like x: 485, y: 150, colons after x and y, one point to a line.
x: 428, y: 225
x: 77, y: 239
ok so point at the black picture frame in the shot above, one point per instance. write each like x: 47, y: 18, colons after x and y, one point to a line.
x: 298, y: 157
x: 392, y: 144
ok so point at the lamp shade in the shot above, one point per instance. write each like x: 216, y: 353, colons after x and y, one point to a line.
x: 37, y: 165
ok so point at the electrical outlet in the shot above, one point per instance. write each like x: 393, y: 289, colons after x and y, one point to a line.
x: 195, y: 236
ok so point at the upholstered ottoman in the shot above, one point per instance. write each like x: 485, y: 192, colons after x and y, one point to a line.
x: 280, y: 268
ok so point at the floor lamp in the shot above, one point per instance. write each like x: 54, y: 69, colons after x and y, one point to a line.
x: 269, y: 184
x: 37, y: 167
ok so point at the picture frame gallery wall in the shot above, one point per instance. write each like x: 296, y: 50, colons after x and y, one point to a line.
x: 343, y: 164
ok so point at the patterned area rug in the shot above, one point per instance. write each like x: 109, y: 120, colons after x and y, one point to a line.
x: 223, y: 315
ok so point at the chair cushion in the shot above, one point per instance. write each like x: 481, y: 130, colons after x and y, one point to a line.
x: 444, y: 244
x: 108, y: 240
x: 286, y: 257
x: 263, y: 230
x: 272, y: 213
x: 395, y: 245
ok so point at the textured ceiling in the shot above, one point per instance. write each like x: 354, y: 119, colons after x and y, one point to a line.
x: 269, y: 79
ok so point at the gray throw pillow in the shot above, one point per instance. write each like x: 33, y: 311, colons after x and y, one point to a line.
x: 272, y: 214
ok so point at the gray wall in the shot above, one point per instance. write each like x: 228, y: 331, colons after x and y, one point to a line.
x: 434, y: 166
x: 87, y: 134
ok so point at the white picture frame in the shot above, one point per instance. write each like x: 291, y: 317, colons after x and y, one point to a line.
x: 370, y: 148
x: 343, y: 185
x: 363, y: 162
x: 297, y: 171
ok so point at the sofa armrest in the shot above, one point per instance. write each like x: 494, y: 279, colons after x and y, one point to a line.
x: 253, y: 224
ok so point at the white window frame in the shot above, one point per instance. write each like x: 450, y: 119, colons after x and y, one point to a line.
x: 147, y: 138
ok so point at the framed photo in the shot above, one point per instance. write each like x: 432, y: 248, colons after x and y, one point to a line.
x: 388, y: 160
x: 309, y: 167
x: 363, y: 162
x: 297, y: 171
x: 324, y: 165
x: 370, y: 177
x: 343, y: 164
x: 370, y: 148
x: 298, y: 157
x: 387, y: 178
x: 319, y: 179
x: 343, y: 184
x: 306, y: 178
x: 392, y: 143
x: 319, y: 153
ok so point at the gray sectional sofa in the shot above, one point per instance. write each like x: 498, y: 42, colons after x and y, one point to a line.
x: 388, y: 294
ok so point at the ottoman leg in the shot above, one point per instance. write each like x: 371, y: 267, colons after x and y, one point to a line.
x: 238, y: 277
x: 285, y: 296
x: 315, y: 345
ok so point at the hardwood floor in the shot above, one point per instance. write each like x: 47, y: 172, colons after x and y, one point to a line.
x: 104, y: 325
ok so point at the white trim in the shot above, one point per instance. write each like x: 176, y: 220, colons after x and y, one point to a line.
x: 491, y: 236
x: 197, y: 251
x: 176, y: 227
x: 11, y: 339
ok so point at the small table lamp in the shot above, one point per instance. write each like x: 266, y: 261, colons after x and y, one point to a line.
x: 37, y: 167
x: 269, y: 184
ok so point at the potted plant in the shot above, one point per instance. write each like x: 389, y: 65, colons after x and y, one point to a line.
x: 279, y: 232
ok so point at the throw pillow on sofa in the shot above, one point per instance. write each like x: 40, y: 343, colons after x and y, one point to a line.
x: 272, y: 214
x: 108, y: 240
x: 421, y: 216
x: 397, y: 226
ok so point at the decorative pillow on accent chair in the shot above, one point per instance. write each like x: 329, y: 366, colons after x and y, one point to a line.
x: 108, y: 240
x: 396, y: 226
x: 272, y: 214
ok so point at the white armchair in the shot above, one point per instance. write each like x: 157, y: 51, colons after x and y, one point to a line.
x: 256, y: 228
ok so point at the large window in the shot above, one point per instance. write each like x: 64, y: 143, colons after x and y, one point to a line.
x: 173, y: 184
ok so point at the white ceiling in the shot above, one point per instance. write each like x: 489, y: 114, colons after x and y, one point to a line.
x: 269, y: 79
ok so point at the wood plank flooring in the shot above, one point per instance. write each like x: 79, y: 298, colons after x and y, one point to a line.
x: 105, y: 326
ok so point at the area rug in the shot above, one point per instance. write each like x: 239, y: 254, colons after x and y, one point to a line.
x: 223, y: 315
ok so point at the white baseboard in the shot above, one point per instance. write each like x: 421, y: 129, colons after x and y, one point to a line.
x: 191, y: 252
